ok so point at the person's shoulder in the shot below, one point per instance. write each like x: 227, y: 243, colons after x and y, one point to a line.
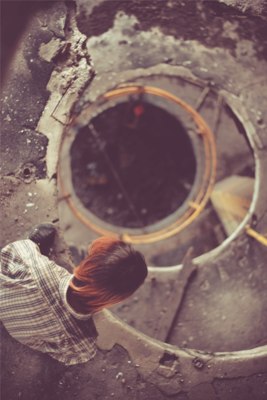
x: 14, y: 258
x: 18, y: 248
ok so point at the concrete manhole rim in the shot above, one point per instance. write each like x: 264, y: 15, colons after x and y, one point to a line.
x: 229, y: 99
x: 221, y: 360
x: 240, y: 113
x: 194, y: 207
x: 238, y: 109
x: 216, y: 364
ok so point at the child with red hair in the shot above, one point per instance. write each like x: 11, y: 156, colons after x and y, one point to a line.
x: 49, y: 309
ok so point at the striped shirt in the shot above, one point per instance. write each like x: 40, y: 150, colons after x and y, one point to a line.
x: 34, y: 307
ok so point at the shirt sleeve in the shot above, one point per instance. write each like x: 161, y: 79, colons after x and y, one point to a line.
x: 14, y: 259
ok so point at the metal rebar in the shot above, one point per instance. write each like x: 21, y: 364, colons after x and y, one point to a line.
x: 202, y: 97
x: 217, y: 117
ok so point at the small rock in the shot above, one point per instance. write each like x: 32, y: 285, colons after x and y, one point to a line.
x: 198, y: 363
x: 119, y: 375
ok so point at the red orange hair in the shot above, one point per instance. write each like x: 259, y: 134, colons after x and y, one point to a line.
x: 111, y: 272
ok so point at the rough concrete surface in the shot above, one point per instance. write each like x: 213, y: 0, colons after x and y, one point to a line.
x: 187, y: 334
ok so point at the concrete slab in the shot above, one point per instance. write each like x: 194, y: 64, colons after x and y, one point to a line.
x: 223, y: 310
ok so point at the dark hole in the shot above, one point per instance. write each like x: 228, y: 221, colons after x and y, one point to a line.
x: 168, y: 358
x: 135, y: 167
x: 27, y: 172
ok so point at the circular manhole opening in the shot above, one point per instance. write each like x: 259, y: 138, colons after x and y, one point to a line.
x: 138, y: 162
x: 133, y: 165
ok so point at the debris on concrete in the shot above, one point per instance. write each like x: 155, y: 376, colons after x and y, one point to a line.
x: 213, y: 54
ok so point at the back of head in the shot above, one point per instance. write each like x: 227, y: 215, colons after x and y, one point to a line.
x: 111, y: 272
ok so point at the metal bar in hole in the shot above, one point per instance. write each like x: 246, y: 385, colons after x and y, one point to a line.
x: 114, y: 172
x: 218, y: 111
x: 188, y: 271
x: 202, y: 97
x: 165, y: 324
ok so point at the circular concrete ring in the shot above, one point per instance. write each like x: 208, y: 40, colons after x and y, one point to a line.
x: 184, y: 369
x: 192, y: 368
x: 192, y: 207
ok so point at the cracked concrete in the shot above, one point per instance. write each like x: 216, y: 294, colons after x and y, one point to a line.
x: 72, y: 73
x: 229, y: 51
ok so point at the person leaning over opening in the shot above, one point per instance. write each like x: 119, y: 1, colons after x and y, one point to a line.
x: 48, y: 309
